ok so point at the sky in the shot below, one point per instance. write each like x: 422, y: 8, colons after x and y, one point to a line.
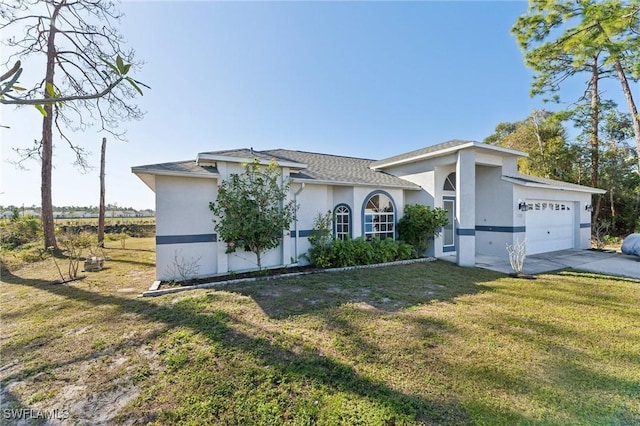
x: 362, y: 79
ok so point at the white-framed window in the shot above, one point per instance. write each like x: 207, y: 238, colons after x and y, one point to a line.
x: 342, y: 222
x: 379, y: 217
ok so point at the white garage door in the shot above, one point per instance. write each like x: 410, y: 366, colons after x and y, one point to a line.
x: 550, y: 226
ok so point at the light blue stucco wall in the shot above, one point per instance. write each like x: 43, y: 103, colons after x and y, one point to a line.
x: 184, y: 230
x: 495, y: 210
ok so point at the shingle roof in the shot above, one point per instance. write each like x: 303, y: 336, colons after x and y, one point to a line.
x: 244, y: 153
x: 338, y: 169
x: 556, y: 184
x: 177, y: 167
x: 320, y: 167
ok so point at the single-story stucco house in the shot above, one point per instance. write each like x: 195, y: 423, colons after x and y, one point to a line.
x: 489, y: 203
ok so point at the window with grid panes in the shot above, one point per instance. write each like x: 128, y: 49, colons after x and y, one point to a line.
x: 342, y: 218
x: 379, y: 218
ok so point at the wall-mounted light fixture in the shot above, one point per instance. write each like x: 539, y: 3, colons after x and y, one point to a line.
x: 588, y: 208
x: 522, y: 206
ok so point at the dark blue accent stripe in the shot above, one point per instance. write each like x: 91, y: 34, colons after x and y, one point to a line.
x: 511, y: 229
x: 467, y: 232
x: 301, y: 233
x: 448, y: 249
x: 185, y: 239
x: 585, y: 225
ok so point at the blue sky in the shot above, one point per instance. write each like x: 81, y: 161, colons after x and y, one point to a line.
x: 364, y: 79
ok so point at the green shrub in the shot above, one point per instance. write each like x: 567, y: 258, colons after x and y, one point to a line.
x: 342, y: 253
x: 325, y: 252
x: 419, y: 225
x: 405, y: 251
x: 31, y: 253
x: 610, y: 240
x: 19, y: 231
x: 320, y: 240
x: 384, y: 250
x: 363, y: 252
x: 111, y: 237
x: 321, y: 233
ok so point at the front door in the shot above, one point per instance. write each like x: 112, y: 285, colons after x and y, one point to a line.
x: 448, y: 231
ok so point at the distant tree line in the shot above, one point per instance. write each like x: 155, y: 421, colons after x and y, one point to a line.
x: 69, y: 209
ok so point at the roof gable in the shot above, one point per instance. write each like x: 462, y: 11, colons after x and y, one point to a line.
x: 177, y: 167
x: 442, y: 149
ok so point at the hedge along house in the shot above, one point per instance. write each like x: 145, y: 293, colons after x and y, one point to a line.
x: 489, y: 203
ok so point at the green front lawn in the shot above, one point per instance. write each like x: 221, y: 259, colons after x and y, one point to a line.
x: 426, y: 343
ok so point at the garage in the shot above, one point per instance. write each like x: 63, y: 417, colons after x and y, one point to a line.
x: 549, y: 226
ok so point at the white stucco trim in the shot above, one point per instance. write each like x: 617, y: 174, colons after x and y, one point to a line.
x: 179, y: 174
x: 148, y: 175
x: 559, y: 187
x: 408, y: 187
x: 500, y: 149
x: 450, y: 150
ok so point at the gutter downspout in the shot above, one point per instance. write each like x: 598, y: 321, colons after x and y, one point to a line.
x: 295, y: 222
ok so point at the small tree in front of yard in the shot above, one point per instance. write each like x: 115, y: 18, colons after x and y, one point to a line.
x: 320, y: 240
x: 251, y: 211
x: 420, y: 224
x: 73, y: 243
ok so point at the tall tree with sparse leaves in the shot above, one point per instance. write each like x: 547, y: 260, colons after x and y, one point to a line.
x: 566, y: 38
x: 85, y: 64
x: 620, y: 207
x: 251, y: 210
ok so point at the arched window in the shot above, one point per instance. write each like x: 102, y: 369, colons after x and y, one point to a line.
x: 342, y: 222
x: 379, y: 217
x: 450, y: 182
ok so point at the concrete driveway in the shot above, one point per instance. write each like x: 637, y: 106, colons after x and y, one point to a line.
x: 607, y: 263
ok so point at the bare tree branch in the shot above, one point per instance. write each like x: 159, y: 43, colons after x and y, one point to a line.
x: 27, y: 154
x: 20, y: 101
x: 88, y: 79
